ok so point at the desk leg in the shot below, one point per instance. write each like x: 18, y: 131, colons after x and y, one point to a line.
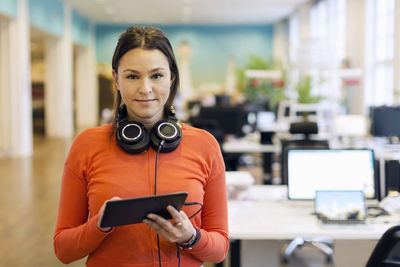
x: 267, y: 167
x: 235, y: 253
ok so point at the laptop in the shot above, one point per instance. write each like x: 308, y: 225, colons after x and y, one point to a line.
x: 340, y: 206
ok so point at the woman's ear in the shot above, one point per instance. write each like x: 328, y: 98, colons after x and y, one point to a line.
x: 115, y: 78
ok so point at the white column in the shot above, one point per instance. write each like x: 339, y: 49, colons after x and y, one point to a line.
x: 58, y: 85
x: 186, y: 87
x: 280, y: 43
x: 15, y: 85
x: 304, y: 53
x: 355, y: 49
x: 396, y: 55
x: 5, y: 130
x: 86, y: 87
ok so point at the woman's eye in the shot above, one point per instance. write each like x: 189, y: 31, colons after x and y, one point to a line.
x: 132, y: 76
x: 157, y: 76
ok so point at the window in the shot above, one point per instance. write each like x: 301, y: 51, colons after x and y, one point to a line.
x: 322, y: 52
x: 379, y: 87
x: 328, y: 34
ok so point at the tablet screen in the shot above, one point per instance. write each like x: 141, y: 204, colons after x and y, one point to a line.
x: 134, y: 210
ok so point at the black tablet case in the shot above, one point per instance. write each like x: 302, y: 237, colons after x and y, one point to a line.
x: 134, y: 210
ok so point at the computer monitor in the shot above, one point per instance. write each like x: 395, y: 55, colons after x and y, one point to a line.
x: 230, y: 119
x: 309, y: 170
x: 385, y: 121
x: 265, y: 119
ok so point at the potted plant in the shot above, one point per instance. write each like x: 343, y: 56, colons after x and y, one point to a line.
x: 259, y: 90
x: 303, y: 88
x: 304, y: 96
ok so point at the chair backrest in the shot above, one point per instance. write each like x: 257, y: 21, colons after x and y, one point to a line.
x: 304, y: 127
x: 387, y: 251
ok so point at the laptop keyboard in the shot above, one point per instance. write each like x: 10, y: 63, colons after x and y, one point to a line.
x: 343, y: 221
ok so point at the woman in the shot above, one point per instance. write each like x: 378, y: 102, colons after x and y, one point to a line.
x: 100, y: 167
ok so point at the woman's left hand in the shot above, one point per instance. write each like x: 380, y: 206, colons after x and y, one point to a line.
x: 178, y: 232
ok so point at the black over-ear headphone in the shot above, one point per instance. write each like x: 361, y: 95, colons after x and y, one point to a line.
x: 133, y: 137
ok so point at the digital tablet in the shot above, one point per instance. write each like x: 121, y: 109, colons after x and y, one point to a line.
x: 134, y: 210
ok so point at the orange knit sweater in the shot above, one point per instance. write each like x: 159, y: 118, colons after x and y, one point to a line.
x: 97, y: 169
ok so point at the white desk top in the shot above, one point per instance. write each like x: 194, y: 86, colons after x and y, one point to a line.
x: 286, y: 219
x: 239, y: 178
x: 245, y: 146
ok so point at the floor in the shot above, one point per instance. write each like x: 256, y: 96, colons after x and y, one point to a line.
x: 29, y: 191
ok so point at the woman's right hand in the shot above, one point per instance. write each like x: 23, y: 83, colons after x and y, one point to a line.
x: 101, y: 213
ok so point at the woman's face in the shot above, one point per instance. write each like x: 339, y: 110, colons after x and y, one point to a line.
x: 144, y: 81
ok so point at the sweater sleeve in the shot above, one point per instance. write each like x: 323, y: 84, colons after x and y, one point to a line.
x: 214, y: 242
x: 75, y: 236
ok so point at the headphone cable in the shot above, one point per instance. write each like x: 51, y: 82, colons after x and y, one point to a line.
x: 186, y: 204
x: 155, y: 193
x: 178, y: 254
x: 160, y: 146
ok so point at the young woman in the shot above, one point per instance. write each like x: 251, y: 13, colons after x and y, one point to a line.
x: 145, y: 151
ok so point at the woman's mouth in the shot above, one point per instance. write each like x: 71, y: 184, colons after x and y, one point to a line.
x: 144, y: 100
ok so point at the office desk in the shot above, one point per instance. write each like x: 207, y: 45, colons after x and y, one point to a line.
x: 277, y: 220
x: 248, y: 146
x: 245, y: 146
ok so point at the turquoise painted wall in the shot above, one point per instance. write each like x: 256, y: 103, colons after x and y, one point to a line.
x: 212, y: 45
x: 80, y: 29
x: 47, y: 15
x: 8, y: 8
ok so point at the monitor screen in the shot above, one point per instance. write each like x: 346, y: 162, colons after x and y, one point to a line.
x: 229, y: 119
x: 309, y: 170
x: 385, y: 121
x: 265, y: 119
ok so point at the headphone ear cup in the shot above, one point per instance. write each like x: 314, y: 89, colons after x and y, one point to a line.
x: 132, y: 137
x: 166, y: 130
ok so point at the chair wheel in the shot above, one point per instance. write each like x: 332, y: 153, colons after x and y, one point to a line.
x: 329, y: 259
x: 284, y: 259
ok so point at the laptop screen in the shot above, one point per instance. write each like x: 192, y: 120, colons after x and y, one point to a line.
x: 340, y: 205
x: 309, y: 170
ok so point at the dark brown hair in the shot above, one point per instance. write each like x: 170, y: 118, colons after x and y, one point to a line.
x: 147, y: 38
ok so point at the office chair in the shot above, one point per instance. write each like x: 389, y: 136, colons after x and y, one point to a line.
x: 322, y: 244
x: 387, y: 251
x: 306, y: 128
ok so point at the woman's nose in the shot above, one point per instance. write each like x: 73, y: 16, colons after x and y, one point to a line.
x: 145, y: 86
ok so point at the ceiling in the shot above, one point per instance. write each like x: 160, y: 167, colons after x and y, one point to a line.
x: 185, y: 11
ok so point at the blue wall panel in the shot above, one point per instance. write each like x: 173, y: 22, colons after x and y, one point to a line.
x: 212, y: 46
x: 8, y: 8
x: 47, y: 15
x: 80, y: 29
